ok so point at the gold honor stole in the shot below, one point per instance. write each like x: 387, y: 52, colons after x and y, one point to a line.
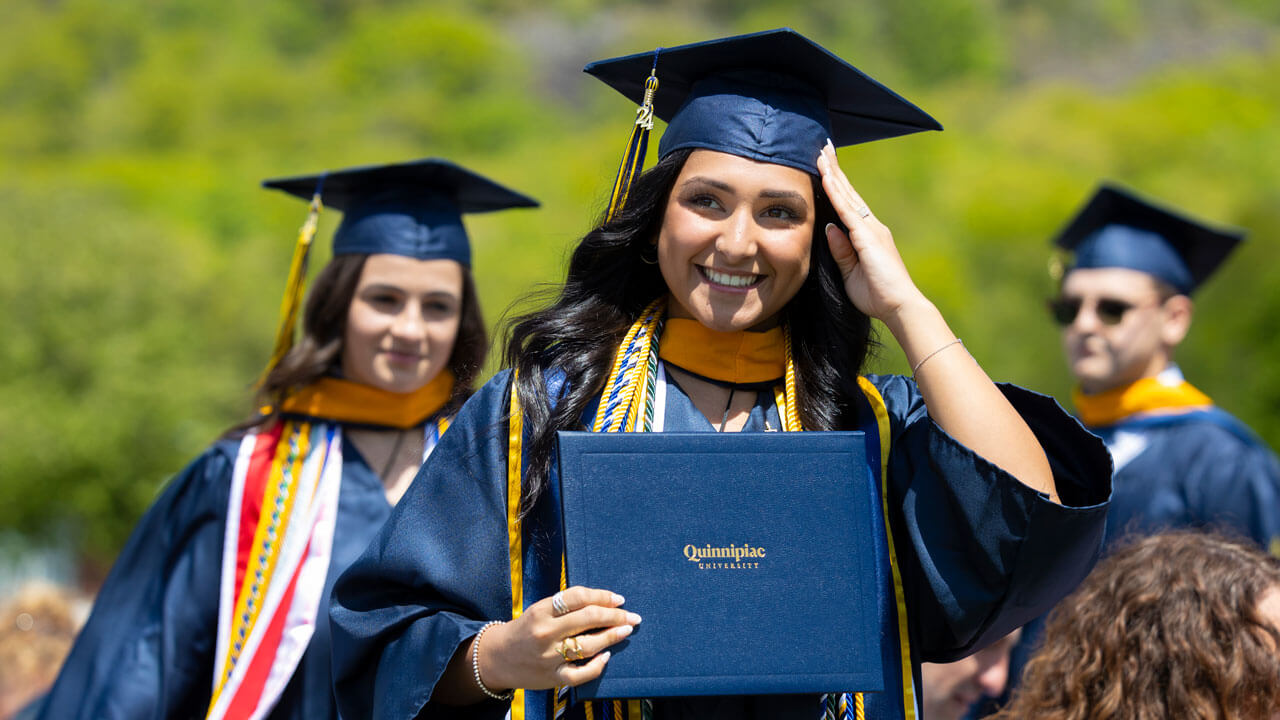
x: 1148, y: 396
x: 627, y: 404
x: 279, y: 534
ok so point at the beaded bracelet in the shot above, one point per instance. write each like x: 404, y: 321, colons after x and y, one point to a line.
x: 475, y: 665
x: 916, y: 369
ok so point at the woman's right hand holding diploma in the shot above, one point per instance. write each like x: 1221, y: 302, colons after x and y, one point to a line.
x: 545, y: 648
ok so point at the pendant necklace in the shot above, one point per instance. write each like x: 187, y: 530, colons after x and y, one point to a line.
x: 727, y: 405
x: 391, y: 459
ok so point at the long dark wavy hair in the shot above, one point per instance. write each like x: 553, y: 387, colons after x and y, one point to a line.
x: 324, y: 324
x: 608, y: 285
x: 1167, y: 627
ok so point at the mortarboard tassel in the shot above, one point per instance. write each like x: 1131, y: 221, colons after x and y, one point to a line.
x: 637, y: 145
x: 296, y: 285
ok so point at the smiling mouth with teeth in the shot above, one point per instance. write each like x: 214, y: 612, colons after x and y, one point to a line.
x: 728, y: 280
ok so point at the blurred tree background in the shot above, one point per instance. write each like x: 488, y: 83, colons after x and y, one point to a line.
x: 143, y: 266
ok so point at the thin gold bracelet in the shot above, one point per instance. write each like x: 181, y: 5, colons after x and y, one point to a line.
x: 925, y: 359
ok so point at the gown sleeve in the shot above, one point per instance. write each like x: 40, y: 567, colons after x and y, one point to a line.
x: 436, y: 572
x: 984, y: 552
x: 147, y: 648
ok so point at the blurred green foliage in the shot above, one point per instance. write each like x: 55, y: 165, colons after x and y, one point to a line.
x: 142, y: 265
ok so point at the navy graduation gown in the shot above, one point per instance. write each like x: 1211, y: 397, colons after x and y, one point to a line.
x: 979, y: 552
x: 1198, y: 469
x: 148, y: 648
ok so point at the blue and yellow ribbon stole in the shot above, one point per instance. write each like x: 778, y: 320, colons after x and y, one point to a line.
x: 637, y: 145
x: 296, y: 285
x: 515, y: 550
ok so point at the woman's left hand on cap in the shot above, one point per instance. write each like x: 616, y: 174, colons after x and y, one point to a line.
x: 875, y: 278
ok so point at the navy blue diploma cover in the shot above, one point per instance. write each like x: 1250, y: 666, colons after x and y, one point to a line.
x: 749, y: 556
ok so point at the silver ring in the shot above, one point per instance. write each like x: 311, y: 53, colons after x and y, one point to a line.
x: 557, y: 604
x: 863, y: 211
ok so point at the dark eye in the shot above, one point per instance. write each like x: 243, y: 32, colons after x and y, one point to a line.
x: 706, y: 201
x: 1064, y: 310
x: 1111, y: 312
x: 382, y: 299
x: 781, y: 212
x: 438, y: 307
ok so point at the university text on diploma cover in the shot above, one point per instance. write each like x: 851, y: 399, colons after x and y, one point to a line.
x: 749, y: 556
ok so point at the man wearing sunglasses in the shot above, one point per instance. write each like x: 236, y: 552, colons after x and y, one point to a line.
x: 1124, y: 305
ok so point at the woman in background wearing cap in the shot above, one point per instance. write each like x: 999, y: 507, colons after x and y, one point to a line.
x: 215, y: 608
x: 753, y: 304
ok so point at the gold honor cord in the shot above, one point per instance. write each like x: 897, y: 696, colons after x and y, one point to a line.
x: 294, y: 286
x: 637, y: 147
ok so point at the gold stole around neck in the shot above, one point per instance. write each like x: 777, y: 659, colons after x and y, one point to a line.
x: 1148, y: 395
x: 346, y: 401
x: 733, y: 357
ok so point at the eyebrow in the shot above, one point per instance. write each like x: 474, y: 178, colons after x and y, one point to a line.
x: 783, y: 195
x: 770, y: 194
x: 700, y: 180
x: 386, y: 287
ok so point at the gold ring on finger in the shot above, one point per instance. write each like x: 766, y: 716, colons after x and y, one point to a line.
x: 576, y: 648
x: 562, y: 647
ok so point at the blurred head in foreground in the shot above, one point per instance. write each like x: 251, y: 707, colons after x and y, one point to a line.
x: 1178, y: 625
x: 949, y: 690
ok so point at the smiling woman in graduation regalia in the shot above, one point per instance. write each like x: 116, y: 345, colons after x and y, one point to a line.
x: 731, y: 288
x: 215, y: 606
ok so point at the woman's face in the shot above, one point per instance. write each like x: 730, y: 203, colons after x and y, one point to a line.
x: 402, y: 322
x: 735, y: 240
x: 1269, y: 606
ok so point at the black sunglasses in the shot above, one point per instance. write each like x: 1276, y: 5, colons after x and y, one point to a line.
x: 1109, y: 312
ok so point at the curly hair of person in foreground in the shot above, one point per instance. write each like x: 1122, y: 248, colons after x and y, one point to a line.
x: 1178, y: 625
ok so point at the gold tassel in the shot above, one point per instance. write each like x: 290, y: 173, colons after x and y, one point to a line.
x: 295, y: 287
x: 1058, y: 262
x: 637, y: 147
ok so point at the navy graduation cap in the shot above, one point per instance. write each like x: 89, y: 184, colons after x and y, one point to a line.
x: 1116, y: 228
x: 412, y: 208
x: 774, y: 96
